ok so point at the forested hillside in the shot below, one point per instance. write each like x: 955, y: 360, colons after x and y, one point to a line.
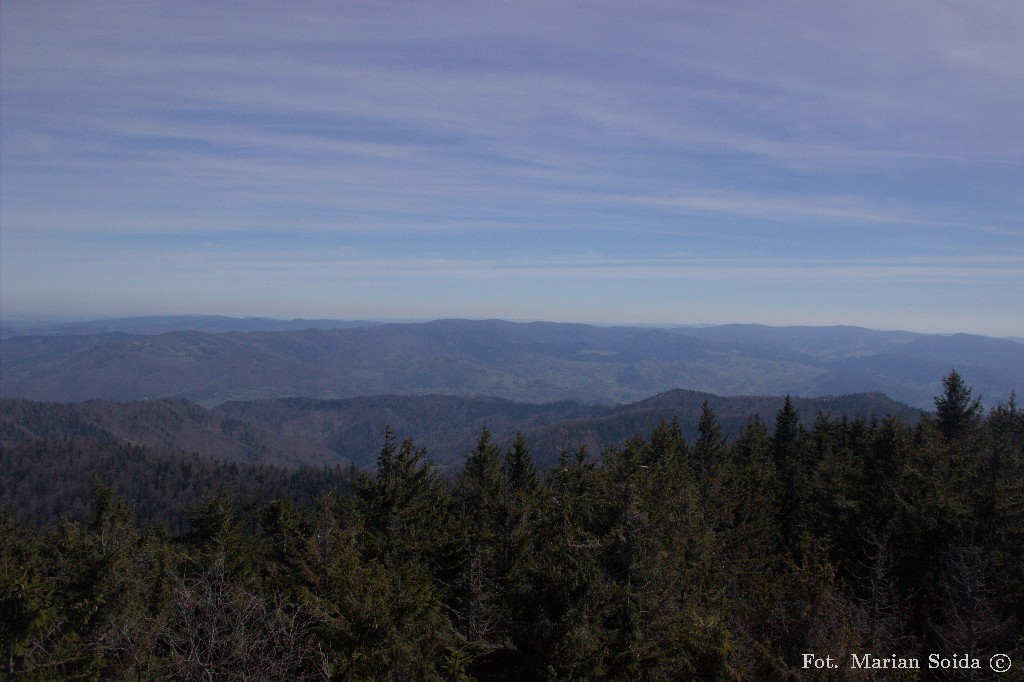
x: 536, y: 362
x: 45, y: 480
x: 301, y: 431
x: 668, y: 558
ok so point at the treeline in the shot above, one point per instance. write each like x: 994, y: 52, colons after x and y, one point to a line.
x: 665, y: 559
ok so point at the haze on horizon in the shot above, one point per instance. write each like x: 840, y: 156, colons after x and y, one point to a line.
x: 656, y: 162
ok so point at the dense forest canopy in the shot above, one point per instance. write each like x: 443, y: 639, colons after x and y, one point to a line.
x: 664, y: 558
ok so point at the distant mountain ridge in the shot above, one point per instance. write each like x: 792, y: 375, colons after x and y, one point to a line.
x: 531, y: 362
x: 163, y: 324
x: 294, y: 432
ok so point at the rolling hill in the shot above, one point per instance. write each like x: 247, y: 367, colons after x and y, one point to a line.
x: 532, y: 362
x: 295, y: 432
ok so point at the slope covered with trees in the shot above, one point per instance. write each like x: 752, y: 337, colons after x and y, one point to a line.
x: 306, y: 432
x: 45, y: 480
x: 665, y: 558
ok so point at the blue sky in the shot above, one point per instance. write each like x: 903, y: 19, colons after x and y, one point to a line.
x: 651, y: 162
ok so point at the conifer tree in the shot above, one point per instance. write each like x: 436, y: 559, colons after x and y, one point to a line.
x: 566, y: 638
x: 516, y: 557
x: 405, y: 514
x: 518, y: 468
x: 26, y: 607
x: 217, y: 538
x: 1004, y: 516
x: 787, y: 432
x: 478, y: 588
x: 709, y: 449
x: 402, y: 505
x: 956, y: 410
x: 788, y: 457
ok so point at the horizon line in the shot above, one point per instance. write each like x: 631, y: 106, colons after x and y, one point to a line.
x: 48, y: 320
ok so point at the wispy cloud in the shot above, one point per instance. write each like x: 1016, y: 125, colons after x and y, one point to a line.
x: 757, y: 138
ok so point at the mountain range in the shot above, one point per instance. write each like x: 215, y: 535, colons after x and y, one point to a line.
x: 162, y: 324
x: 537, y: 362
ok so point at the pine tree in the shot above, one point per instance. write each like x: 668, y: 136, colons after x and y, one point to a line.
x: 566, y: 638
x: 27, y: 610
x: 788, y: 457
x: 787, y: 432
x: 957, y: 411
x: 709, y: 449
x: 402, y: 505
x: 517, y: 540
x: 217, y: 537
x: 520, y: 472
x: 479, y: 501
x: 1004, y: 513
x: 405, y: 513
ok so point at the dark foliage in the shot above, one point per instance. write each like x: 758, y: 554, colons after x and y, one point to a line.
x: 45, y: 480
x: 662, y: 559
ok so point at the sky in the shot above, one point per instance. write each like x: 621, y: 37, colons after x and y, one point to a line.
x: 678, y: 162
